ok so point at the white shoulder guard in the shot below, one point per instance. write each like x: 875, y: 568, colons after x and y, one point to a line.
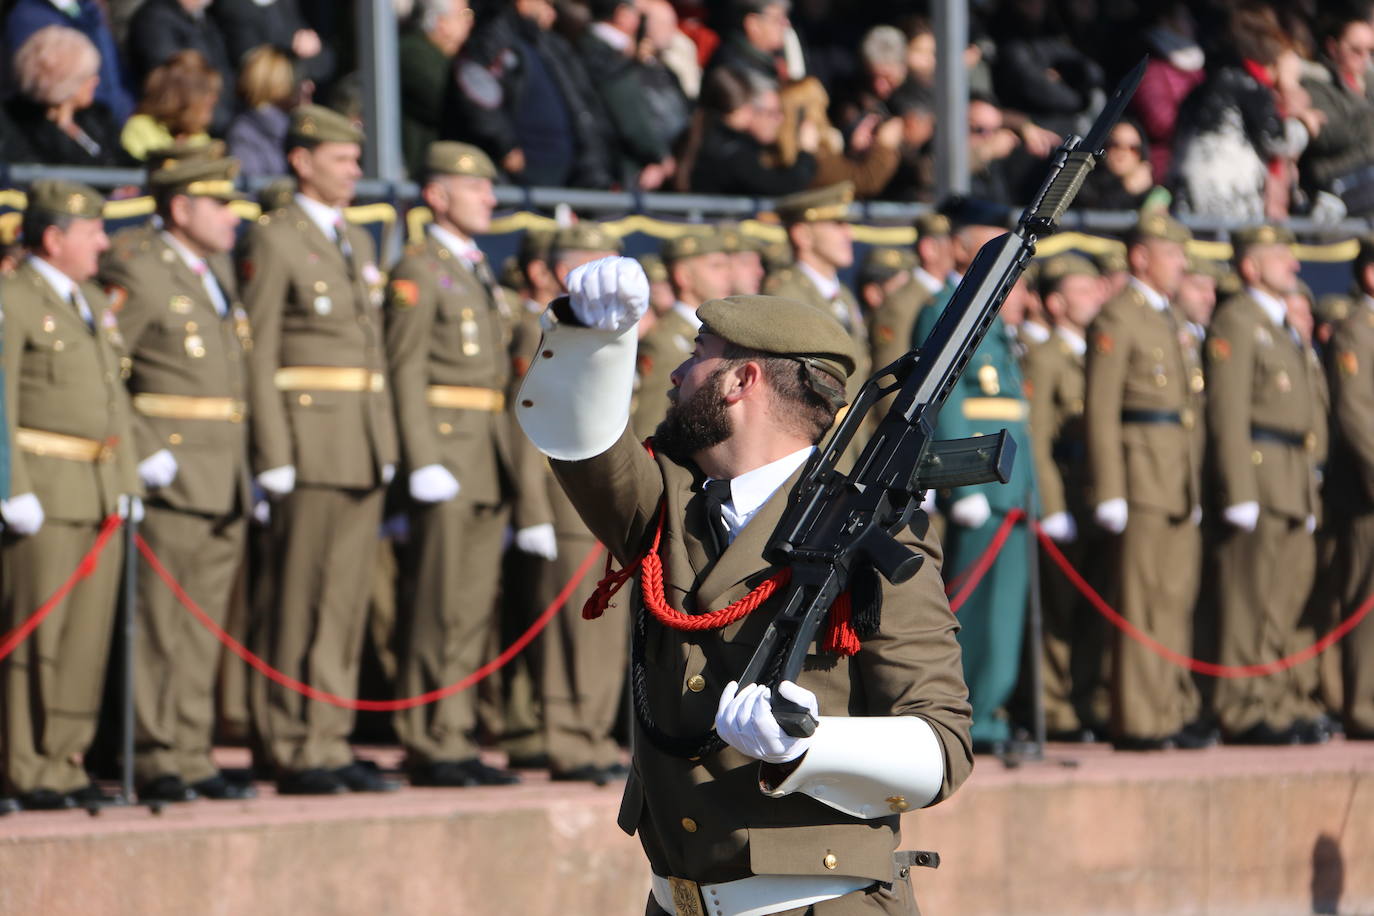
x: 575, y: 400
x: 869, y: 766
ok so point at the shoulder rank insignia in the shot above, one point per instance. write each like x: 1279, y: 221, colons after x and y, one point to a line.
x: 405, y: 293
x: 1348, y: 363
x: 885, y: 334
x: 1103, y: 343
x: 117, y: 295
x: 646, y: 364
x: 1219, y: 348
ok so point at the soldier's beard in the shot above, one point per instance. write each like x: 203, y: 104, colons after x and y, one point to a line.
x: 695, y: 424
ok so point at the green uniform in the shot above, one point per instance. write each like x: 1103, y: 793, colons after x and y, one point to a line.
x: 989, y: 397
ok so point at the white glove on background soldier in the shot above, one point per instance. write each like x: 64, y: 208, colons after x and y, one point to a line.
x: 1060, y: 527
x: 158, y: 470
x: 611, y: 294
x: 1244, y: 516
x: 278, y: 481
x: 744, y: 720
x: 971, y: 511
x: 23, y: 514
x: 1111, y: 515
x: 129, y: 507
x: 538, y: 540
x: 433, y: 483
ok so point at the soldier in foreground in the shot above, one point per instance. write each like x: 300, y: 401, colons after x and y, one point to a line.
x: 759, y: 391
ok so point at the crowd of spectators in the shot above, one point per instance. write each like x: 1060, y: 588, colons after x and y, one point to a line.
x: 1249, y: 110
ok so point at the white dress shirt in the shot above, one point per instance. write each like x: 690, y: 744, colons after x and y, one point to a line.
x: 750, y: 490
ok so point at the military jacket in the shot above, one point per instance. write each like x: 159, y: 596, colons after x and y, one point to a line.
x: 1055, y: 382
x: 1262, y: 382
x: 311, y: 307
x: 534, y: 485
x: 663, y: 349
x: 63, y: 376
x: 1351, y: 371
x: 181, y: 346
x: 892, y: 325
x: 444, y: 328
x: 1142, y: 359
x: 707, y: 819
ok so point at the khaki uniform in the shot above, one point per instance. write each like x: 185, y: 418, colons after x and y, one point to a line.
x: 319, y: 402
x: 661, y: 351
x: 1075, y: 634
x: 189, y: 387
x: 890, y: 326
x: 447, y: 345
x: 791, y: 283
x: 71, y: 446
x: 1145, y: 385
x: 707, y: 820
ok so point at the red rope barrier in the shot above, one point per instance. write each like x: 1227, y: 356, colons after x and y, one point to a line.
x: 322, y: 696
x: 968, y: 580
x: 83, y: 569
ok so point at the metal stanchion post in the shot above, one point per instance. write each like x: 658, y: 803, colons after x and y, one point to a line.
x: 129, y: 602
x: 1035, y: 635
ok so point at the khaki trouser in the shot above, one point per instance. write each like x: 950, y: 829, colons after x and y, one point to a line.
x: 1263, y: 578
x: 1357, y: 573
x: 176, y: 659
x: 1075, y: 638
x: 1321, y: 677
x: 311, y: 621
x: 1157, y: 578
x: 53, y: 681
x: 457, y: 562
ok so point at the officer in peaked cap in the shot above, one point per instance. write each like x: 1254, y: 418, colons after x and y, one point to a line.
x: 746, y: 259
x: 890, y: 311
x: 132, y: 237
x: 72, y: 466
x: 697, y: 789
x: 188, y: 337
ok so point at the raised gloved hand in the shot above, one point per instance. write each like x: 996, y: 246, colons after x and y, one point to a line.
x: 611, y: 294
x: 433, y: 483
x: 971, y: 511
x: 1060, y: 527
x: 23, y: 514
x: 278, y: 481
x: 1244, y: 516
x: 744, y: 720
x: 1111, y: 515
x: 538, y: 540
x: 130, y: 507
x: 158, y: 470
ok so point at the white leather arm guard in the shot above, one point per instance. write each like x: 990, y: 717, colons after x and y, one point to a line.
x: 575, y: 400
x: 869, y: 766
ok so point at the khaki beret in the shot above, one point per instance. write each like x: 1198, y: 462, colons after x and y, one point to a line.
x: 691, y: 246
x: 197, y: 178
x: 882, y: 264
x: 277, y: 194
x: 583, y: 236
x: 1158, y: 225
x: 782, y: 327
x: 1242, y: 240
x: 450, y: 158
x: 932, y: 225
x: 1333, y: 307
x: 1113, y: 260
x: 653, y: 268
x: 817, y: 205
x: 312, y: 124
x: 1055, y: 269
x: 66, y: 198
x: 184, y: 150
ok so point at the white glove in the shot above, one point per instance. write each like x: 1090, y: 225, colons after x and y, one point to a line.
x: 971, y: 511
x: 745, y: 721
x: 388, y: 473
x: 1195, y: 517
x: 433, y: 484
x: 23, y: 514
x: 278, y: 481
x: 1060, y: 527
x: 1111, y: 515
x: 1311, y: 524
x: 1244, y: 516
x: 538, y: 540
x: 129, y: 507
x: 158, y: 470
x: 928, y: 503
x: 611, y: 294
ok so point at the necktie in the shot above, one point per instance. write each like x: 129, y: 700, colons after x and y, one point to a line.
x: 79, y: 303
x: 212, y: 287
x: 341, y: 239
x: 717, y: 494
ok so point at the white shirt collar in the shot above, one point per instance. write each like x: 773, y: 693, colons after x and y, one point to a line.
x: 1034, y: 332
x: 927, y: 279
x: 612, y: 36
x: 60, y: 282
x: 1074, y: 339
x: 463, y: 249
x: 750, y: 490
x: 322, y: 215
x: 1157, y: 302
x: 192, y: 260
x: 829, y: 286
x: 688, y: 313
x: 1271, y: 306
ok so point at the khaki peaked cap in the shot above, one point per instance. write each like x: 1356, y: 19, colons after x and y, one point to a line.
x: 312, y: 124
x: 65, y: 198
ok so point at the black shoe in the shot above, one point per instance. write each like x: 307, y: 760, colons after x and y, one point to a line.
x: 1129, y: 743
x: 311, y: 782
x: 364, y: 776
x: 1311, y: 731
x: 1195, y: 736
x: 166, y: 788
x: 1080, y: 735
x: 529, y: 762
x: 45, y: 800
x: 1266, y: 734
x: 462, y: 774
x: 594, y: 774
x: 221, y: 788
x: 89, y: 795
x: 8, y: 806
x: 997, y: 748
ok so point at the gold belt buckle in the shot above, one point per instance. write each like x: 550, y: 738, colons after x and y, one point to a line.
x: 686, y: 897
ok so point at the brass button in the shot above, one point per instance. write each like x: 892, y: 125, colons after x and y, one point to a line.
x: 445, y: 428
x: 305, y: 400
x: 59, y: 346
x: 689, y: 825
x: 321, y: 286
x: 1189, y: 420
x: 696, y: 683
x: 1161, y: 380
x: 548, y: 354
x: 192, y: 327
x: 527, y: 403
x: 1309, y: 442
x: 897, y: 803
x: 830, y: 861
x: 174, y: 439
x: 1256, y: 458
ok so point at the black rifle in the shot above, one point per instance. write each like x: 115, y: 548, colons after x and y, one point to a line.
x: 835, y: 522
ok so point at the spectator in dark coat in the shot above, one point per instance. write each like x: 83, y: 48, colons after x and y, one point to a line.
x: 28, y: 16
x: 1124, y: 178
x: 268, y: 89
x: 161, y: 28
x: 57, y: 120
x: 1344, y: 92
x: 427, y: 49
x: 249, y: 23
x: 1037, y: 70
